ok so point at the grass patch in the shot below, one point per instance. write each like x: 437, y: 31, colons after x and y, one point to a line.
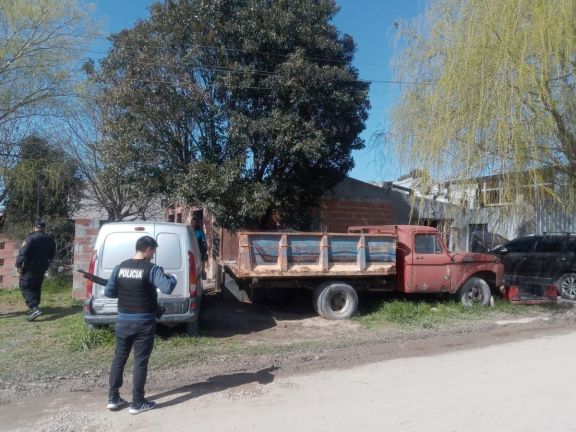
x: 78, y: 337
x: 423, y: 314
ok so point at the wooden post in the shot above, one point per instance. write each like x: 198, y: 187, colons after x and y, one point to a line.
x: 324, y: 255
x: 361, y: 257
x: 283, y: 253
x: 244, y: 256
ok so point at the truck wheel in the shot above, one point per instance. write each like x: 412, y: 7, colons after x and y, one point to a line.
x: 191, y: 328
x: 566, y: 285
x: 475, y: 291
x: 336, y: 300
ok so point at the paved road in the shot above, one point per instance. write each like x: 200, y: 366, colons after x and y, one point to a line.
x: 522, y: 386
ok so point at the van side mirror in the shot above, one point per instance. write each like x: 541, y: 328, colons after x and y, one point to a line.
x: 501, y: 251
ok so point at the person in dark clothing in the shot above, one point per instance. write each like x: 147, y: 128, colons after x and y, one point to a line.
x: 134, y: 283
x: 32, y: 262
x: 202, y: 245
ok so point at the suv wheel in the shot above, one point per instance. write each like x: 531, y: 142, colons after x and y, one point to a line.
x: 566, y: 285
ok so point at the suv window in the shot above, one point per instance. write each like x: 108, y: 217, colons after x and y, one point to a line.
x: 549, y: 244
x: 427, y: 244
x: 523, y: 245
x: 571, y: 244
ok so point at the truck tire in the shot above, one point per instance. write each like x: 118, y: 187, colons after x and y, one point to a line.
x: 566, y: 285
x: 335, y: 300
x: 475, y: 291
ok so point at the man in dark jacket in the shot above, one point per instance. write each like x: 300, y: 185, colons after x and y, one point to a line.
x: 134, y: 283
x: 32, y: 262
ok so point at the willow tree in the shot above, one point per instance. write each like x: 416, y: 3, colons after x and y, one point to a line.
x: 490, y: 90
x: 41, y: 45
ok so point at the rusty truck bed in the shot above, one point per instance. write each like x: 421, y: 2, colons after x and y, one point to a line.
x: 299, y: 254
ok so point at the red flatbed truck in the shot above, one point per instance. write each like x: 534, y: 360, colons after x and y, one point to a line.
x: 403, y: 258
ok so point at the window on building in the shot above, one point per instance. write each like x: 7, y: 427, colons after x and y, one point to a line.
x: 2, y: 245
x: 171, y: 218
x: 179, y: 218
x: 1, y: 261
x: 1, y: 279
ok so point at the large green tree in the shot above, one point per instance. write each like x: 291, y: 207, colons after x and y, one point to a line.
x: 242, y: 107
x: 490, y: 90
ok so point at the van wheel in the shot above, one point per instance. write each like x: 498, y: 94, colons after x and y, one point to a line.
x: 191, y: 328
x: 336, y: 300
x: 475, y: 291
x: 566, y: 285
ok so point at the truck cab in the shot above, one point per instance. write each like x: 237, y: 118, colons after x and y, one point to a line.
x: 424, y: 264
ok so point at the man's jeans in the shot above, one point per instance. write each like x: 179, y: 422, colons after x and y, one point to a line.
x: 140, y: 336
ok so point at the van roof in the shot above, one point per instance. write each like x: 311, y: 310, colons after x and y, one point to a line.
x: 145, y: 223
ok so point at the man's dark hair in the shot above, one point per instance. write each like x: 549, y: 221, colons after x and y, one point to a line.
x: 144, y: 243
x: 40, y: 224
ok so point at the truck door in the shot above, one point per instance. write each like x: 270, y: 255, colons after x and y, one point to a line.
x: 430, y: 265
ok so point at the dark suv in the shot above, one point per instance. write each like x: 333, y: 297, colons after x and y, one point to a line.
x: 546, y: 257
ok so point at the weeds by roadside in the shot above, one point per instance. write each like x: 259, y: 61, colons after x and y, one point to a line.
x: 422, y: 314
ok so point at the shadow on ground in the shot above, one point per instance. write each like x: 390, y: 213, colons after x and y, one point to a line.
x: 213, y: 385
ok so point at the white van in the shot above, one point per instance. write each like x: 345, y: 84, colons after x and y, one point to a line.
x: 177, y: 253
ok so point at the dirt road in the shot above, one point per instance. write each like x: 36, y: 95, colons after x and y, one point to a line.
x: 525, y: 385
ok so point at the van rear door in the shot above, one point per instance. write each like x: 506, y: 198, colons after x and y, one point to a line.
x: 117, y: 246
x: 172, y: 257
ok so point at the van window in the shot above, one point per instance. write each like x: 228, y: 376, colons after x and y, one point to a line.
x: 427, y: 244
x: 119, y: 247
x: 169, y: 252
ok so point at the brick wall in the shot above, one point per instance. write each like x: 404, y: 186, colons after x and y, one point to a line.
x: 337, y: 215
x: 8, y: 252
x: 86, y: 231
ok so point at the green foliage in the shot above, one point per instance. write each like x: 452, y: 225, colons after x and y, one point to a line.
x: 44, y: 184
x: 421, y: 314
x: 80, y: 338
x: 241, y: 107
x: 490, y: 90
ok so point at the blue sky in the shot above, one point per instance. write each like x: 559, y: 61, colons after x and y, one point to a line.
x: 371, y: 24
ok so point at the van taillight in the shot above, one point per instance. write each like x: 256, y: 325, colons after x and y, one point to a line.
x: 91, y: 266
x: 192, y: 274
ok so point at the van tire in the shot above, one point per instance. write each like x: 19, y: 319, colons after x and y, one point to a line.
x: 336, y: 300
x: 191, y: 328
x: 475, y: 291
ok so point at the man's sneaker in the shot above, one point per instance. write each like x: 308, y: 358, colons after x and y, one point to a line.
x: 136, y: 408
x: 115, y: 402
x: 33, y: 314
